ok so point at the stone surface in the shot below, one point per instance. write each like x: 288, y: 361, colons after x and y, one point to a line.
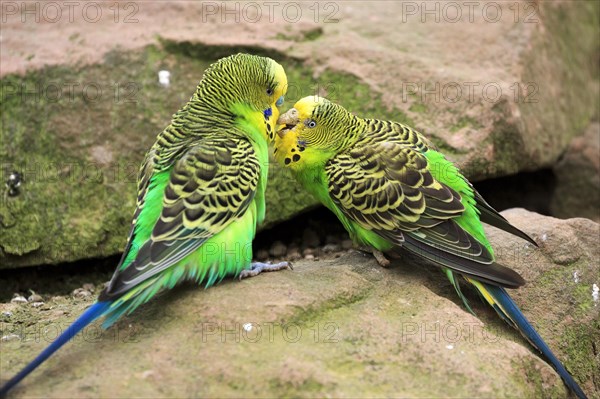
x: 79, y: 114
x: 333, y: 328
x: 278, y: 249
x: 578, y: 178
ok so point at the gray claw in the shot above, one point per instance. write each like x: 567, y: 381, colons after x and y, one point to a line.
x: 259, y: 267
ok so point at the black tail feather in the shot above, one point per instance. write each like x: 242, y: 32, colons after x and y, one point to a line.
x: 490, y: 216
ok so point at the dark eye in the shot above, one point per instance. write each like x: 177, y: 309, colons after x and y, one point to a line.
x: 310, y: 123
x: 269, y: 92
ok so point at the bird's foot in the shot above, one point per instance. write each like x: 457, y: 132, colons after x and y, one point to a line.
x: 380, y: 258
x: 258, y: 267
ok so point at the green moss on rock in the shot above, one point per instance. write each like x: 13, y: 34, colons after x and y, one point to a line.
x: 583, y: 358
x: 78, y: 134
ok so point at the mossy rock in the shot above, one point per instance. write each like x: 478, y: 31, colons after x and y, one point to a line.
x: 337, y: 327
x: 77, y: 135
x: 77, y: 132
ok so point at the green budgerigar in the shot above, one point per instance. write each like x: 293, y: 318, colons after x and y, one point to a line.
x: 201, y: 193
x: 392, y: 189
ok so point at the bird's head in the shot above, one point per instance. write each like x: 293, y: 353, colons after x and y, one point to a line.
x: 314, y: 131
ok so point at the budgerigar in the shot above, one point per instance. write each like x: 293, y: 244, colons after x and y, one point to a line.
x: 391, y: 189
x: 201, y: 193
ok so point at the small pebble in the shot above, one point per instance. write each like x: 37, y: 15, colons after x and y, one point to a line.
x: 310, y: 238
x: 331, y: 248
x: 89, y: 287
x: 81, y: 293
x: 10, y: 337
x: 18, y: 299
x: 262, y: 255
x: 309, y: 257
x: 35, y: 298
x: 308, y: 251
x: 293, y: 254
x: 278, y: 249
x: 331, y: 239
x: 148, y: 374
x: 7, y: 313
x: 164, y: 78
x: 347, y: 244
x: 37, y: 304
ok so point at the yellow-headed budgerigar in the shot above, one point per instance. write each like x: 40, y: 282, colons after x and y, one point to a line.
x: 391, y: 189
x: 201, y: 193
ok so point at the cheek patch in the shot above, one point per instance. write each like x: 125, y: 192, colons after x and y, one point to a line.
x: 270, y: 132
x: 296, y: 158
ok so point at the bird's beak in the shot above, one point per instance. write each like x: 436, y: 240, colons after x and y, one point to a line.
x: 289, y: 120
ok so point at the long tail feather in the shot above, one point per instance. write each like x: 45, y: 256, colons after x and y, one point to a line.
x: 505, y: 304
x: 91, y: 314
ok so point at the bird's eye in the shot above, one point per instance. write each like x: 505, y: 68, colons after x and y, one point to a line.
x: 310, y: 123
x: 269, y: 92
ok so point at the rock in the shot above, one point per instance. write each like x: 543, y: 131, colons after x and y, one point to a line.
x: 35, y: 298
x: 309, y: 257
x: 81, y: 293
x: 314, y: 329
x: 577, y: 190
x: 308, y: 251
x: 293, y: 253
x: 10, y: 337
x: 278, y: 249
x: 347, y: 244
x: 310, y: 239
x: 18, y: 299
x: 328, y: 248
x: 331, y: 239
x: 89, y: 287
x: 80, y: 114
x: 262, y: 255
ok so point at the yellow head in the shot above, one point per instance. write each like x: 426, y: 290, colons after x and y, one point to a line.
x: 314, y: 131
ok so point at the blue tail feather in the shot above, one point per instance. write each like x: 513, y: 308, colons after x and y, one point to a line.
x: 91, y: 314
x: 508, y: 305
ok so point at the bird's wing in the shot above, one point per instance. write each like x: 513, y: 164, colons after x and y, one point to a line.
x: 380, y: 131
x: 388, y: 188
x: 209, y: 187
